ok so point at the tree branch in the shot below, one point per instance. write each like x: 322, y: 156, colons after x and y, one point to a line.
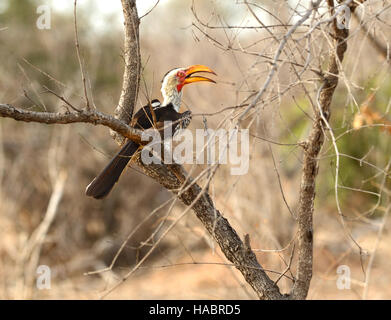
x: 167, y: 176
x: 92, y: 117
x: 381, y: 48
x: 171, y: 177
x: 314, y: 144
x: 174, y: 177
x: 131, y: 78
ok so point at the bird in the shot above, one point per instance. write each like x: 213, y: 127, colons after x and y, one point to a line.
x: 172, y: 90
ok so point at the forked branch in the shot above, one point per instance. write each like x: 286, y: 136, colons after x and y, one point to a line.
x: 314, y: 144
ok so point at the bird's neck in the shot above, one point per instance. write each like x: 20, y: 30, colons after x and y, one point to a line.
x: 174, y: 97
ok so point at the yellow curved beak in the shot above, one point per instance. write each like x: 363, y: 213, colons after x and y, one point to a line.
x: 198, y: 68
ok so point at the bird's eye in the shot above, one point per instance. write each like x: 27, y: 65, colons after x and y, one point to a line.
x: 181, y: 74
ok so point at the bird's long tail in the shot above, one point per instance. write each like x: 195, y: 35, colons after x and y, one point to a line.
x: 105, y: 181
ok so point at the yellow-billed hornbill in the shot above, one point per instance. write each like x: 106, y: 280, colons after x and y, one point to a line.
x: 172, y: 85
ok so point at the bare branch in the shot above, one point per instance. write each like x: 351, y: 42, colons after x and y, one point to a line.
x: 83, y: 77
x: 150, y: 10
x: 272, y: 72
x: 131, y: 78
x: 383, y: 49
x: 310, y: 162
x: 172, y: 178
x: 92, y: 117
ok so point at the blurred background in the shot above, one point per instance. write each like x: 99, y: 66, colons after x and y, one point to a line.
x: 45, y: 218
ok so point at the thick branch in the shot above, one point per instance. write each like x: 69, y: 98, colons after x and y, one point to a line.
x: 131, y: 79
x: 310, y: 162
x: 218, y: 227
x: 172, y: 177
x: 92, y: 117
